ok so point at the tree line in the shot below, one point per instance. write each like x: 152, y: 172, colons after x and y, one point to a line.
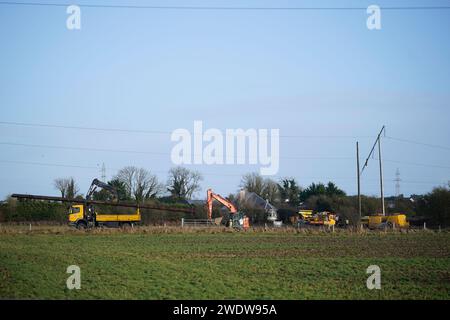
x: 287, y: 195
x: 140, y: 185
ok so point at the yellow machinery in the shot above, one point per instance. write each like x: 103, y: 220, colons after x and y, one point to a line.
x: 305, y: 215
x: 82, y: 216
x: 392, y: 221
x: 85, y: 215
x: 324, y: 218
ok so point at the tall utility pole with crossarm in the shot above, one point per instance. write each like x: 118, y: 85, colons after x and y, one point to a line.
x: 380, y: 159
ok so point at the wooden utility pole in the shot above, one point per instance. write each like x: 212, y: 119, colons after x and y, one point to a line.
x: 381, y: 174
x: 358, y: 179
x: 378, y: 140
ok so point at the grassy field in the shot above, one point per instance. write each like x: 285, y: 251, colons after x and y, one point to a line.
x: 164, y: 264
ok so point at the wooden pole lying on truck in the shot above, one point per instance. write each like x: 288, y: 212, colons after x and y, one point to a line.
x: 96, y: 202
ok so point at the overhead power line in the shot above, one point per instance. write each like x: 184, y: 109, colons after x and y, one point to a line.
x: 46, y: 164
x: 147, y: 152
x: 163, y: 132
x: 41, y: 125
x: 228, y: 8
x: 143, y: 131
x: 122, y: 130
x: 418, y: 143
x: 167, y: 153
x: 80, y: 148
x: 416, y: 164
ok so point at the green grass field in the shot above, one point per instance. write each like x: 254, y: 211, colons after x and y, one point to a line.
x: 224, y: 265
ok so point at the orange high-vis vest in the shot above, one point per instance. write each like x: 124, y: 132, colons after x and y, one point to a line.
x: 246, y: 223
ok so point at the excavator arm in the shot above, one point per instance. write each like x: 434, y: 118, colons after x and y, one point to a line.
x: 213, y: 196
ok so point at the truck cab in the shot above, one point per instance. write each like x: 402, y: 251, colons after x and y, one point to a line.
x: 76, y: 214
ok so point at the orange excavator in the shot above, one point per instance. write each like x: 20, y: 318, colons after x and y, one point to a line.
x: 237, y: 220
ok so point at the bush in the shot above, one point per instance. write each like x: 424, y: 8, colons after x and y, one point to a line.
x: 436, y: 206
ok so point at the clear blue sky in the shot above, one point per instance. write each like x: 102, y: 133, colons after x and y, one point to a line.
x: 318, y: 73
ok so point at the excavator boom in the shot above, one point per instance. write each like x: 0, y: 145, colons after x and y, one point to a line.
x: 211, y: 196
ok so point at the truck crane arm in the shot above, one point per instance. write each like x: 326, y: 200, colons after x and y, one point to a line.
x: 99, y: 184
x: 213, y: 196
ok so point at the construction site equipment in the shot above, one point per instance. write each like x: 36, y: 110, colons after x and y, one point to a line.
x: 237, y: 219
x: 83, y: 213
x: 305, y: 215
x: 392, y: 221
x: 323, y: 218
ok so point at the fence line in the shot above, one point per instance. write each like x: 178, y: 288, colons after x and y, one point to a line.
x: 197, y: 223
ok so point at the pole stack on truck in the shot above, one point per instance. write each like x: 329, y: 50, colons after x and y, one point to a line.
x: 83, y: 213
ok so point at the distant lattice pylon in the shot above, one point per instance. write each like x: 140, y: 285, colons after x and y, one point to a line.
x: 397, y: 183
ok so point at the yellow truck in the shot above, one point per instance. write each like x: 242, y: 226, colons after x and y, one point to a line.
x: 83, y: 216
x: 391, y: 221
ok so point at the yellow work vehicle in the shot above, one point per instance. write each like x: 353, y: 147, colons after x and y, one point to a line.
x: 392, y: 221
x: 324, y: 218
x: 305, y: 215
x: 85, y: 215
x: 82, y: 217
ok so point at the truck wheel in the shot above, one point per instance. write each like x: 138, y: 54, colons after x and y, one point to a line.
x: 81, y: 225
x: 126, y: 225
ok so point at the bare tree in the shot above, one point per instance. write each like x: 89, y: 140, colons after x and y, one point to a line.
x: 253, y: 182
x: 271, y: 192
x: 67, y: 186
x: 183, y: 183
x: 146, y: 185
x: 126, y: 176
x: 139, y: 183
x: 60, y: 185
x: 266, y: 188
